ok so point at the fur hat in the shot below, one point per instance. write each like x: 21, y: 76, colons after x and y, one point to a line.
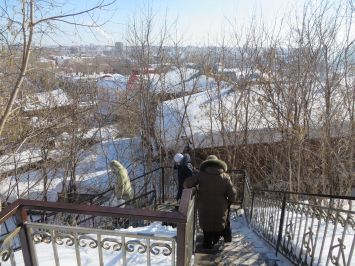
x: 213, y: 162
x: 178, y: 157
x: 212, y: 157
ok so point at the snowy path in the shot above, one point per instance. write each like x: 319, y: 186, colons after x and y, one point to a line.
x: 246, y: 248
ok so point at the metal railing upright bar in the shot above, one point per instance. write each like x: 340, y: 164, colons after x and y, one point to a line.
x: 306, y: 228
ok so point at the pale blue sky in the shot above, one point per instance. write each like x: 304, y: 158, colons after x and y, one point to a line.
x: 198, y: 19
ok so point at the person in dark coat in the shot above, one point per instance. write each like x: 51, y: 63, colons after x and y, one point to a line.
x: 185, y: 170
x: 216, y: 191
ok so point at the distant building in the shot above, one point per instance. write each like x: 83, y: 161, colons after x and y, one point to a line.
x: 134, y: 81
x: 99, y: 48
x: 119, y: 49
x: 74, y: 49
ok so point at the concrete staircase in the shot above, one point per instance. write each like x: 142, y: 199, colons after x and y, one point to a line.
x: 245, y: 249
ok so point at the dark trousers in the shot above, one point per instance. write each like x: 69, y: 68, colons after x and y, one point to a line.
x: 209, y: 238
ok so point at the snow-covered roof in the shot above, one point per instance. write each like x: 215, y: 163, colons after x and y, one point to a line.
x: 45, y: 100
x: 102, y: 134
x: 63, y: 57
x: 178, y: 80
x: 209, y: 116
x: 114, y: 81
x: 86, y: 77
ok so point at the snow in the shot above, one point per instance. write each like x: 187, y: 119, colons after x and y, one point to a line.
x: 93, y: 174
x: 217, y: 116
x: 19, y: 159
x: 240, y: 225
x: 107, y: 133
x: 44, y: 100
x: 42, y: 60
x: 195, y: 115
x: 180, y: 80
x: 31, y: 188
x: 115, y: 82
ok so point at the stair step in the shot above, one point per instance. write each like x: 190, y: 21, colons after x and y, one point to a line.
x: 250, y: 254
x: 238, y: 237
x: 211, y: 259
x: 235, y: 237
x: 211, y: 263
x: 167, y: 206
x: 242, y: 243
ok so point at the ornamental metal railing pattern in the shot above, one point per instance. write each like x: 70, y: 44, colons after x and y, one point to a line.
x: 178, y: 248
x: 6, y: 246
x: 100, y: 240
x: 308, y: 229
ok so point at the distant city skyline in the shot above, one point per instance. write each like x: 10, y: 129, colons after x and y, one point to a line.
x: 199, y: 21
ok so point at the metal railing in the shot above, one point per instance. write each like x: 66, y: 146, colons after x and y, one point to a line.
x: 308, y: 229
x: 29, y: 233
x: 75, y: 236
x: 121, y: 243
x: 91, y: 200
x: 164, y: 188
x: 152, y: 202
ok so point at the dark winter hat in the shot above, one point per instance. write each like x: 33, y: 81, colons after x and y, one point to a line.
x: 212, y: 157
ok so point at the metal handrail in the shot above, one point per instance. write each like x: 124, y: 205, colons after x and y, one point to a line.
x: 134, y: 179
x: 111, y: 189
x: 306, y: 194
x: 162, y: 193
x: 129, y: 201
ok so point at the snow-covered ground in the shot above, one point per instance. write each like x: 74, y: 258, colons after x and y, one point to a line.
x: 93, y: 174
x: 44, y: 100
x: 240, y: 224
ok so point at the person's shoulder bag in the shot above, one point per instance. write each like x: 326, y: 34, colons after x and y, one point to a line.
x: 227, y: 231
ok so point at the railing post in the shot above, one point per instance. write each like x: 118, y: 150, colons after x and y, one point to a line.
x: 252, y: 205
x: 155, y: 200
x: 181, y: 244
x: 283, y: 208
x: 21, y: 219
x: 241, y: 205
x: 93, y: 218
x: 181, y: 228
x: 162, y: 181
x: 195, y: 221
